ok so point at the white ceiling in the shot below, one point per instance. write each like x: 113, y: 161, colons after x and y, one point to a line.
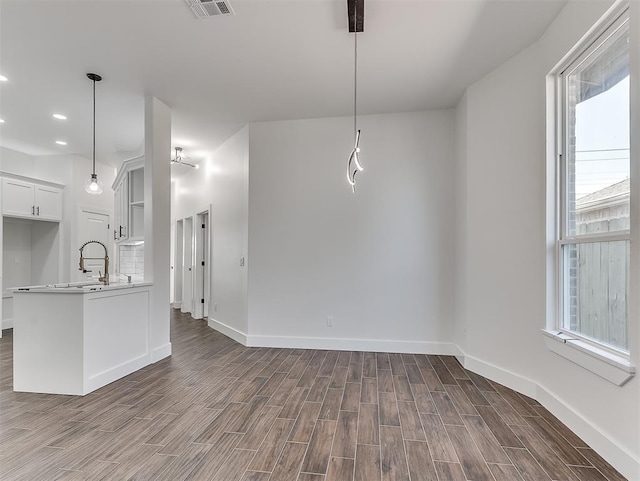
x: 273, y: 60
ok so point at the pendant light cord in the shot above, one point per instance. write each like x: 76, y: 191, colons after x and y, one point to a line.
x: 94, y: 126
x: 355, y: 70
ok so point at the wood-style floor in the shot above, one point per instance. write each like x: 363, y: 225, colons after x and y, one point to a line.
x: 219, y: 411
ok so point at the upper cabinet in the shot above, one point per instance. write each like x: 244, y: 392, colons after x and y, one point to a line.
x: 31, y: 199
x: 129, y: 201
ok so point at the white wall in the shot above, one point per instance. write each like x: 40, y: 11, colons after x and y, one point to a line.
x: 16, y: 162
x: 222, y: 182
x: 16, y: 254
x: 502, y: 244
x: 379, y: 262
x: 157, y: 222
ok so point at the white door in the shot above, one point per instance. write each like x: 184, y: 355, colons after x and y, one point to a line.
x: 206, y: 287
x: 187, y: 266
x: 177, y: 265
x: 201, y: 286
x: 94, y: 226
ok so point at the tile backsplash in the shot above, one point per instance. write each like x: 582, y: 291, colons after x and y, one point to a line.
x: 131, y: 261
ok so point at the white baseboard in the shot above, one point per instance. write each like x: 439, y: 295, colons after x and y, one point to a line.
x: 503, y: 376
x: 161, y: 352
x: 106, y: 377
x: 338, y: 344
x: 342, y: 344
x: 7, y: 324
x: 228, y: 331
x: 626, y: 462
x: 177, y: 305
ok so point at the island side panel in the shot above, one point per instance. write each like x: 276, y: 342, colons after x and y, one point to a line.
x: 47, y: 343
x: 116, y: 335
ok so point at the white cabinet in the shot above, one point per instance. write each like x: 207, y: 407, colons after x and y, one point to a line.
x: 129, y: 201
x: 31, y: 200
x: 121, y: 219
x: 17, y: 198
x: 48, y: 202
x: 74, y: 341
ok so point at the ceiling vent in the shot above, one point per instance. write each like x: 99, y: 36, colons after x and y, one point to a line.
x: 210, y: 8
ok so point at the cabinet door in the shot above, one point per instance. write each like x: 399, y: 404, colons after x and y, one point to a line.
x: 121, y: 204
x: 116, y: 213
x: 48, y: 203
x: 17, y: 198
x: 124, y: 208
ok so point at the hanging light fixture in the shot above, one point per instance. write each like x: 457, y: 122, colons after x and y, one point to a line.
x: 179, y: 159
x: 92, y: 186
x: 355, y: 12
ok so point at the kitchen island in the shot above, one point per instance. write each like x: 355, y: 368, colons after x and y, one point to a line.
x: 76, y: 338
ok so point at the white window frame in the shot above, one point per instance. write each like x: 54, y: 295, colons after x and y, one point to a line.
x: 604, y: 360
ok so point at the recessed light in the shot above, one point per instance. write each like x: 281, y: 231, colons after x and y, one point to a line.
x: 61, y: 142
x: 59, y: 116
x: 3, y: 78
x: 1, y: 121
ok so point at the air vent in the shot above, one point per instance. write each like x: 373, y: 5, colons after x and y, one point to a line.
x: 210, y: 8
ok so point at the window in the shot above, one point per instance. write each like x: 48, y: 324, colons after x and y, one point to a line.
x: 593, y: 224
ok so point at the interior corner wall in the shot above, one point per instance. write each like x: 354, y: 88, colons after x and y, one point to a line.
x: 376, y: 264
x: 460, y: 236
x: 503, y: 304
x: 222, y: 182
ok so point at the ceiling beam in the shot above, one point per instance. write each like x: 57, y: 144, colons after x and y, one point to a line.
x: 355, y: 12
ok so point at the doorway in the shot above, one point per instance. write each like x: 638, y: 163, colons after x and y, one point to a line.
x: 187, y: 266
x: 202, y: 267
x: 178, y: 241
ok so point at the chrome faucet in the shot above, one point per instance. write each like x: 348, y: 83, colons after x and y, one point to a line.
x: 104, y: 279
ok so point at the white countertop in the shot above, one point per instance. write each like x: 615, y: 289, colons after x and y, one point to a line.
x: 78, y: 287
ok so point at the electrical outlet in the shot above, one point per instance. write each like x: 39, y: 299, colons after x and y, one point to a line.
x: 242, y: 262
x: 329, y: 321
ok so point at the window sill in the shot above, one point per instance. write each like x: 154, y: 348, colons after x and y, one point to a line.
x: 615, y: 369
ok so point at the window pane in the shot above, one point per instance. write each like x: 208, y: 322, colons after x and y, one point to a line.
x: 596, y: 285
x: 597, y: 144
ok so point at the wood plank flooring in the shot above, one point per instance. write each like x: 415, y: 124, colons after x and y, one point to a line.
x: 219, y: 411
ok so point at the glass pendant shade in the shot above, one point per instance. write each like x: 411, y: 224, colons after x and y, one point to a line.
x: 92, y: 186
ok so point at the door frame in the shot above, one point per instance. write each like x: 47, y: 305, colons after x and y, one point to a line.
x: 202, y: 253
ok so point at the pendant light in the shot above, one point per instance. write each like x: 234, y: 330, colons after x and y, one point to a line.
x: 356, y: 24
x: 92, y: 186
x: 179, y: 159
